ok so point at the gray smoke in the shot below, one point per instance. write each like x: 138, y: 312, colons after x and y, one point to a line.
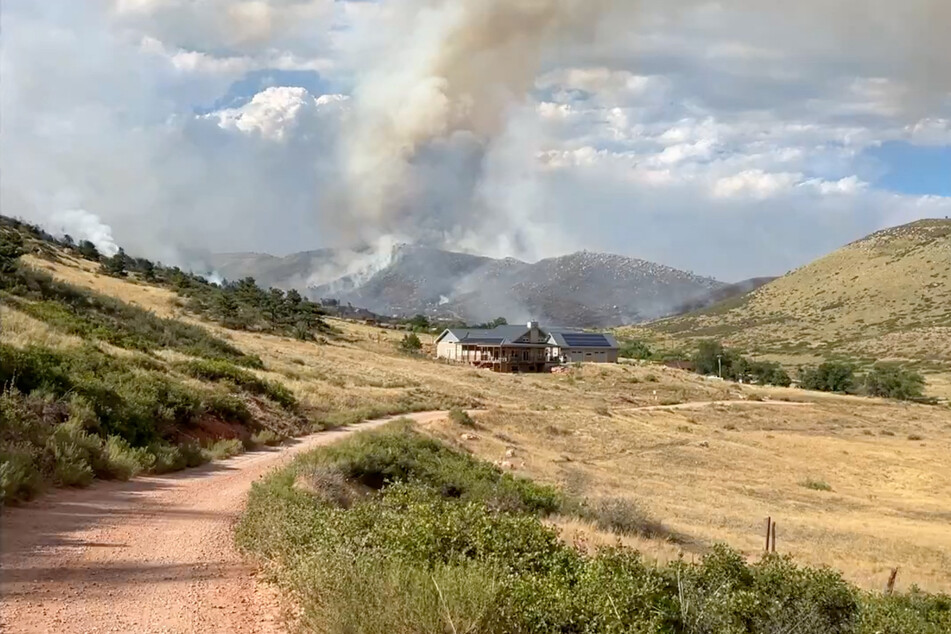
x: 426, y: 117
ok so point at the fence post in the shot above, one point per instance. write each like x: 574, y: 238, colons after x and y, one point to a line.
x: 890, y: 586
x: 774, y: 537
x: 769, y: 525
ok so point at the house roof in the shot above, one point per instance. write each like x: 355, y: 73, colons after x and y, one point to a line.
x: 574, y: 339
x: 509, y: 335
x: 498, y: 336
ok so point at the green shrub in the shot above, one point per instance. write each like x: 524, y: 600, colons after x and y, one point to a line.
x: 20, y: 479
x: 461, y: 417
x: 214, y: 370
x: 888, y: 380
x: 832, y: 376
x: 418, y: 556
x: 266, y: 438
x: 635, y: 350
x: 410, y: 344
x: 121, y: 461
x: 166, y: 458
x: 193, y: 454
x: 815, y: 485
x: 72, y: 452
x: 225, y: 448
x: 400, y: 454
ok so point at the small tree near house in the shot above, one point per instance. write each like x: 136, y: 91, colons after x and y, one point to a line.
x: 411, y: 344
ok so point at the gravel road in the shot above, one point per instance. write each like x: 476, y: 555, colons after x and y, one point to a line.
x: 155, y: 554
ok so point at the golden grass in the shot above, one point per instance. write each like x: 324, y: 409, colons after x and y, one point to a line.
x: 20, y: 330
x: 885, y: 297
x: 711, y: 472
x: 715, y: 473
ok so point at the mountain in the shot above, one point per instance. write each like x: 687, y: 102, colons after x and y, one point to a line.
x: 885, y: 296
x: 582, y: 289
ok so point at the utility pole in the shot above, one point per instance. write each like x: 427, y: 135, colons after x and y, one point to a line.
x: 720, y: 365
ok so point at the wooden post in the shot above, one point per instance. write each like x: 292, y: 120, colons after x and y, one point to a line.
x: 769, y: 525
x: 774, y: 537
x: 890, y: 586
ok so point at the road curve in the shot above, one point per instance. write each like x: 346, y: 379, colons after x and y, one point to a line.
x: 155, y: 554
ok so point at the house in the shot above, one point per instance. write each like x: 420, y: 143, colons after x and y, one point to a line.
x: 526, y: 348
x: 575, y: 346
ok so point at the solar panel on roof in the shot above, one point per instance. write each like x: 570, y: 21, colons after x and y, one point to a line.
x: 586, y: 340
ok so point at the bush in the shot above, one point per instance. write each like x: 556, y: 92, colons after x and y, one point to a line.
x: 410, y: 344
x: 93, y: 316
x: 20, y: 480
x: 166, y: 458
x: 461, y: 417
x: 121, y: 461
x: 400, y: 454
x: 215, y: 370
x: 225, y: 448
x: 888, y: 380
x: 635, y: 350
x: 72, y: 451
x: 11, y: 248
x: 831, y: 376
x: 815, y: 485
x: 266, y: 438
x: 620, y: 515
x: 415, y: 556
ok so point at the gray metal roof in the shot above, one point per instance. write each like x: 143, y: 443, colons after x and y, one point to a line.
x: 500, y: 335
x: 582, y: 339
x: 508, y: 335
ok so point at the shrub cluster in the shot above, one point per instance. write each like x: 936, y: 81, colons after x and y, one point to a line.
x: 97, y: 317
x: 216, y: 371
x: 636, y: 350
x: 432, y: 551
x: 241, y: 305
x: 71, y: 415
x: 885, y: 380
x: 713, y: 358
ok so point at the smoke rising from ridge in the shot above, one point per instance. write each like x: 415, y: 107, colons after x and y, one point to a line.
x: 441, y: 96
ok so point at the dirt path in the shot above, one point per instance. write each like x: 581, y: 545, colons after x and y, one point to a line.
x: 702, y: 404
x: 152, y: 555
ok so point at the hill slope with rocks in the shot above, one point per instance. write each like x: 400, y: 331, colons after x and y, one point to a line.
x: 581, y: 289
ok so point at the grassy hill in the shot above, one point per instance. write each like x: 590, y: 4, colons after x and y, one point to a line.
x: 129, y: 375
x: 887, y: 296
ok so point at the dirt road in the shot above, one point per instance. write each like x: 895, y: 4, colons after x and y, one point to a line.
x: 152, y: 555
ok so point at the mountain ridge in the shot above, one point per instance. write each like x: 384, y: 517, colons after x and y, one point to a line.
x: 581, y: 289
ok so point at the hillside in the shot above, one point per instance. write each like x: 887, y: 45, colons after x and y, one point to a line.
x: 581, y: 289
x: 887, y: 296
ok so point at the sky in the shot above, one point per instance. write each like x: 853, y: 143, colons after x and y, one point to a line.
x: 733, y: 138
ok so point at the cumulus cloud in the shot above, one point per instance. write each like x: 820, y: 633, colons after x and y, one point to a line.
x: 675, y: 131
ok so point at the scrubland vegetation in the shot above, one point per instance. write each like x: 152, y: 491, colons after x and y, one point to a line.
x: 106, y: 375
x: 75, y: 412
x: 391, y: 531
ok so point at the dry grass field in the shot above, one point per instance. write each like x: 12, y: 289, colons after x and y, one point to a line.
x: 886, y: 297
x: 711, y: 460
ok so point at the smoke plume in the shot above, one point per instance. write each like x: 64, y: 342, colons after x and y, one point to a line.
x: 426, y: 116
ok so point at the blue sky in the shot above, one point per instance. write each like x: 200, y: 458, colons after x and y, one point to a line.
x: 914, y: 169
x: 734, y: 139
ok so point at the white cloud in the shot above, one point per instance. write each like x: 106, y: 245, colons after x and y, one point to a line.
x: 272, y: 113
x: 755, y: 183
x: 673, y: 124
